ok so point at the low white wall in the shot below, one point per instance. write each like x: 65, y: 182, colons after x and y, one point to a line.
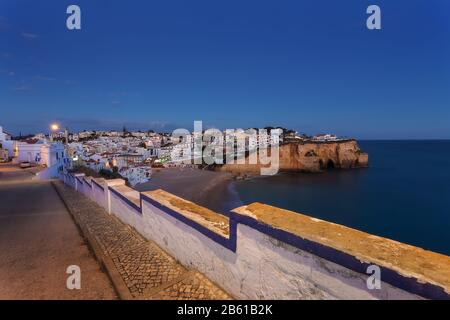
x: 48, y: 173
x: 261, y: 267
x: 99, y: 194
x: 9, y: 145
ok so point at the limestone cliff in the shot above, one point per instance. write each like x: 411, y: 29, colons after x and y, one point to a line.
x: 310, y: 156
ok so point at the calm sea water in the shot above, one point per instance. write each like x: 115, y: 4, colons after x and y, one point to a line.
x: 404, y: 195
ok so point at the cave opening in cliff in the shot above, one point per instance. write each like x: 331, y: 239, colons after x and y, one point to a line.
x: 327, y: 166
x: 330, y: 164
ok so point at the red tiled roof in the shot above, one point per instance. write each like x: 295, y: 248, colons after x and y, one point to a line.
x: 31, y: 141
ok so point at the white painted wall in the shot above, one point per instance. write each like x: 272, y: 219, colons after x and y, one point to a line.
x: 10, y: 146
x: 29, y: 152
x: 3, y: 136
x: 261, y: 268
x: 52, y: 154
x: 41, y: 153
x: 100, y: 197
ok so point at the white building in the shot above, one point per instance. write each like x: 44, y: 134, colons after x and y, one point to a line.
x: 3, y: 135
x: 52, y: 154
x: 136, y: 175
x: 40, y: 152
x: 4, y: 156
x: 7, y: 144
x: 30, y: 151
x: 325, y: 137
x: 39, y: 136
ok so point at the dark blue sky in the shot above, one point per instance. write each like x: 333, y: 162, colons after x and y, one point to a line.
x: 308, y: 65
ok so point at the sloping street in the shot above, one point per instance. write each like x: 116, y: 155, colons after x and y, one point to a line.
x: 39, y: 240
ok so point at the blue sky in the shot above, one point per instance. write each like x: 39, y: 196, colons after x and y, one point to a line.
x: 308, y: 65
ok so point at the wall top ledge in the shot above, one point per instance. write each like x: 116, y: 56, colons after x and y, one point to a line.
x: 212, y: 220
x: 100, y: 181
x: 115, y: 182
x: 88, y: 179
x: 129, y: 193
x: 409, y: 261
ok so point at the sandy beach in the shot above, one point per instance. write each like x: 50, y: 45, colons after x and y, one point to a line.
x: 207, y: 188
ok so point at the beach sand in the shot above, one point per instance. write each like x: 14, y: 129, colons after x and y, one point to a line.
x: 210, y: 189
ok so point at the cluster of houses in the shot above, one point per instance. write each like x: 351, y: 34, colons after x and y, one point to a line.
x: 239, y: 142
x: 131, y: 154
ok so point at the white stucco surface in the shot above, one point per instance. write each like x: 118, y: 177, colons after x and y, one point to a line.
x: 261, y: 268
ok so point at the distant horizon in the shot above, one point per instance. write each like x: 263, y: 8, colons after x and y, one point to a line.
x: 16, y: 135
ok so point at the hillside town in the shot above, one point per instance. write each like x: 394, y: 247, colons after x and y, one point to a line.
x: 126, y: 154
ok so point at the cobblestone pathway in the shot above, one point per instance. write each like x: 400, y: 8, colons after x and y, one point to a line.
x: 147, y: 271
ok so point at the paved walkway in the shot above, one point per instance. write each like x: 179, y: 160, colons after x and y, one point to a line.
x: 146, y: 270
x: 39, y: 240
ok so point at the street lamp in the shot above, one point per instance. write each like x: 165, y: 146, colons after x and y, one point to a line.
x: 53, y: 127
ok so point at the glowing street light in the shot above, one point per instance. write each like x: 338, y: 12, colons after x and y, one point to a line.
x: 53, y: 127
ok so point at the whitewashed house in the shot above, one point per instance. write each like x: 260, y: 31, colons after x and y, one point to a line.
x: 7, y: 144
x: 52, y: 154
x: 136, y: 175
x: 40, y: 152
x: 3, y: 135
x: 30, y: 151
x: 325, y: 137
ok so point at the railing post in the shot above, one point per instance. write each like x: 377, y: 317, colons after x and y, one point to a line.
x: 77, y: 184
x: 111, y: 183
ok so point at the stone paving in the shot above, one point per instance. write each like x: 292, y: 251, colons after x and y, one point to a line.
x: 193, y: 286
x: 38, y: 241
x: 147, y: 271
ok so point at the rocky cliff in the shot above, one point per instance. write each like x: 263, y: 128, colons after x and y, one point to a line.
x: 310, y: 157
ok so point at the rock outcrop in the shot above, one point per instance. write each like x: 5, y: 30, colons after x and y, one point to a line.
x: 310, y: 156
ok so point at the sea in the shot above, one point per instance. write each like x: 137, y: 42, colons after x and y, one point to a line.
x: 403, y: 195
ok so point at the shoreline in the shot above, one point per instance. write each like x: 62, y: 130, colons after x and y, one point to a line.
x: 211, y: 189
